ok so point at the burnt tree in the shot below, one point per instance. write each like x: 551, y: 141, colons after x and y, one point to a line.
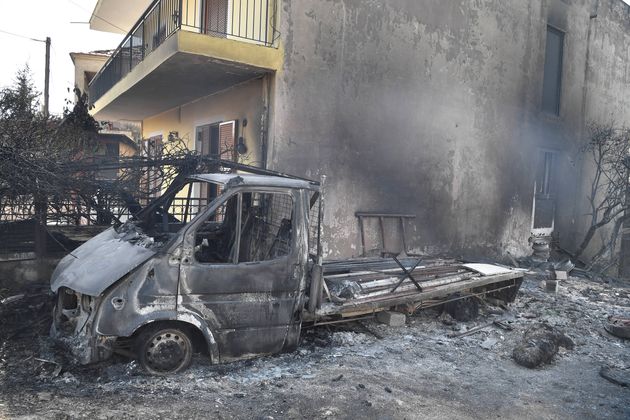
x: 609, y: 151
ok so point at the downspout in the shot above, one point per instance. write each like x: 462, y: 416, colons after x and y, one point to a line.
x: 592, y: 16
x: 264, y: 120
x: 267, y: 81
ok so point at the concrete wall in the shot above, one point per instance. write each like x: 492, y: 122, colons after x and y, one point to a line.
x: 608, y: 73
x: 240, y: 102
x: 607, y: 89
x: 86, y: 62
x: 433, y: 108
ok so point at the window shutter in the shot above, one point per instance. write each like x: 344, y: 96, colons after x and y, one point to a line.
x: 227, y: 143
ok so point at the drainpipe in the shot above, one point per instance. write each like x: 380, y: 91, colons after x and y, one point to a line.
x: 576, y: 195
x: 264, y: 120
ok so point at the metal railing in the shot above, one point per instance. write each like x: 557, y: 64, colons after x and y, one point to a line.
x: 246, y: 20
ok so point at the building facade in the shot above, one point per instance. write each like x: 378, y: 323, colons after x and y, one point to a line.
x: 471, y: 116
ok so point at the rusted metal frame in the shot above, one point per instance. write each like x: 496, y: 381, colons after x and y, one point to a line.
x: 187, y: 203
x: 362, y: 277
x: 439, y: 302
x: 410, y: 289
x: 404, y: 235
x: 319, y: 231
x: 407, y: 274
x: 237, y: 242
x: 180, y: 162
x: 449, y: 287
x: 425, y: 283
x: 411, y: 297
x: 362, y: 235
x: 340, y: 321
x: 381, y: 217
x: 379, y: 264
x: 382, y: 229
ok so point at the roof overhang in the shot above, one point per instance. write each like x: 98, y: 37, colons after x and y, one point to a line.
x: 100, y: 58
x: 117, y: 16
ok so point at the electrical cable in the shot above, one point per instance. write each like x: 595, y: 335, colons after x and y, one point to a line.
x: 97, y: 16
x: 22, y: 36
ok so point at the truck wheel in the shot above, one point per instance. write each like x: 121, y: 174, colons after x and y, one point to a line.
x: 164, y: 349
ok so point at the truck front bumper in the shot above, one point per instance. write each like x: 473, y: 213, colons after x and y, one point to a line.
x: 73, y: 327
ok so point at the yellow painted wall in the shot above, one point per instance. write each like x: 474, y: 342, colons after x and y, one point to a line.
x: 240, y: 102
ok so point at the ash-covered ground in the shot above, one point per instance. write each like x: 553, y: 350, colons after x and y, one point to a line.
x: 354, y: 371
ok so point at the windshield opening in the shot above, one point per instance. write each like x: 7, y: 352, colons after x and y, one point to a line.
x: 167, y: 214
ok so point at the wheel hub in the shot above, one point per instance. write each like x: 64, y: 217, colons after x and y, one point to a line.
x: 166, y: 351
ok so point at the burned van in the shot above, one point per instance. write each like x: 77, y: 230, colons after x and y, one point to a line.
x: 218, y: 263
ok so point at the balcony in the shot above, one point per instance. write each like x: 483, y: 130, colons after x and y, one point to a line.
x: 180, y: 50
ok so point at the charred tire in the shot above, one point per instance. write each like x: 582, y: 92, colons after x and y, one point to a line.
x: 463, y: 309
x: 164, y: 349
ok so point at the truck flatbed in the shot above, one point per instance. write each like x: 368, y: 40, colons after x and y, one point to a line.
x: 367, y: 285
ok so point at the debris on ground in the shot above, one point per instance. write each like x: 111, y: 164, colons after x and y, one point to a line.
x: 500, y: 324
x: 619, y: 377
x: 416, y: 368
x: 540, y: 343
x: 618, y: 326
x: 11, y: 299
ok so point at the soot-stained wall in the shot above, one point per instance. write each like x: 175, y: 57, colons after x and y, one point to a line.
x: 432, y: 108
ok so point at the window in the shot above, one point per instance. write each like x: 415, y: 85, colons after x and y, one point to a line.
x: 267, y: 225
x: 216, y: 238
x: 248, y: 227
x: 217, y: 140
x: 216, y: 17
x: 553, y: 71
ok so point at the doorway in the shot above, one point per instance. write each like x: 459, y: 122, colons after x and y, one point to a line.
x: 217, y: 140
x: 544, y: 203
x: 215, y: 17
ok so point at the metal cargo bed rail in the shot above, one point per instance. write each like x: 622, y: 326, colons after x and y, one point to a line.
x: 364, y: 286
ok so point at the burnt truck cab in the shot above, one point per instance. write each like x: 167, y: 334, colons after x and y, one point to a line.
x: 227, y: 275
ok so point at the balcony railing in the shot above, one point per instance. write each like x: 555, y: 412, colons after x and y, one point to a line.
x: 246, y: 20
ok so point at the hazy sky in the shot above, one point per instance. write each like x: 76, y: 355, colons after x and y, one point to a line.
x: 39, y: 19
